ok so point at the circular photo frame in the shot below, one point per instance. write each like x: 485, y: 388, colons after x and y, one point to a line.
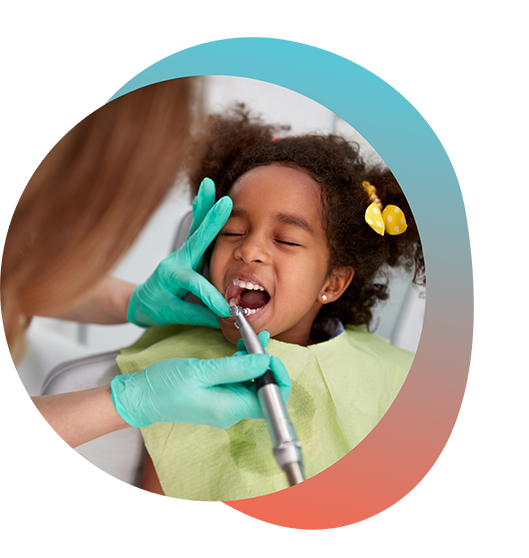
x: 405, y: 444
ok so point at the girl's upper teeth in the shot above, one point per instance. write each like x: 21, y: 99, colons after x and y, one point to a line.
x: 250, y: 285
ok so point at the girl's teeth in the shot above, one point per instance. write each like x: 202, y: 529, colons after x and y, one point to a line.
x: 249, y: 311
x: 252, y: 311
x: 247, y: 285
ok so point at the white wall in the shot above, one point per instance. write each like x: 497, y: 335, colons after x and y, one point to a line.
x: 275, y: 104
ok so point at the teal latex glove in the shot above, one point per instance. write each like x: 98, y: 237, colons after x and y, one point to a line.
x: 192, y: 391
x: 160, y: 300
x: 277, y: 367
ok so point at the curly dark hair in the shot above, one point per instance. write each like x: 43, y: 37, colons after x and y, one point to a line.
x: 237, y: 142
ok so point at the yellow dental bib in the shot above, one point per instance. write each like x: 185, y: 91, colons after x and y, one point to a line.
x: 341, y: 388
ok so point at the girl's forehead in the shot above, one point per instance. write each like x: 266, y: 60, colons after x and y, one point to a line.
x: 277, y: 184
x: 280, y: 196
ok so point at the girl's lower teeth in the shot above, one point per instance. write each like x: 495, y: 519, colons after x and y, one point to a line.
x: 250, y: 311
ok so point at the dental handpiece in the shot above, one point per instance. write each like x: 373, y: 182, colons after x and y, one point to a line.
x: 287, y: 448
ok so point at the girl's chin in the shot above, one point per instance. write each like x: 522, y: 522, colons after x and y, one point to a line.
x: 231, y: 333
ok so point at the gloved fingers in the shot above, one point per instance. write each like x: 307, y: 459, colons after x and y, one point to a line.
x: 162, y: 307
x: 140, y: 311
x: 245, y: 403
x: 282, y: 378
x: 210, y: 227
x: 263, y: 336
x: 278, y: 368
x: 193, y: 314
x: 175, y: 275
x: 240, y: 403
x: 198, y: 285
x: 203, y: 202
x: 228, y: 370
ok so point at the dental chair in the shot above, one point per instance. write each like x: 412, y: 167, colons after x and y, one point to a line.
x: 121, y: 454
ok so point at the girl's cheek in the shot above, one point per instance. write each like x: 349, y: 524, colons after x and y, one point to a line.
x: 214, y: 271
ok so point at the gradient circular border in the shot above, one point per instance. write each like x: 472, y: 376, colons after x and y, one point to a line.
x: 405, y: 444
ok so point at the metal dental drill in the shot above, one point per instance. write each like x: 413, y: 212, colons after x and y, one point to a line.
x: 287, y: 448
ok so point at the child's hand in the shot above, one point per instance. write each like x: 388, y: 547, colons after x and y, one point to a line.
x: 277, y: 367
x: 209, y: 392
x: 160, y: 300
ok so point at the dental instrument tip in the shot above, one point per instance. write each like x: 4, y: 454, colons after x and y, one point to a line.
x: 235, y: 310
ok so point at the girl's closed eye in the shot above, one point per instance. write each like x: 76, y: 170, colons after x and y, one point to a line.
x: 233, y: 232
x: 278, y: 240
x: 287, y: 243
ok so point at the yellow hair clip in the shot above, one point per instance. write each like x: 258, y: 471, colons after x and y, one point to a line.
x: 391, y: 219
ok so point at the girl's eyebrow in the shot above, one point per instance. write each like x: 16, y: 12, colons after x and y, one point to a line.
x: 295, y: 220
x: 283, y: 218
x: 238, y: 213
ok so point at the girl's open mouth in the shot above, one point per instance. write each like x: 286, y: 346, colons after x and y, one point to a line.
x: 248, y: 294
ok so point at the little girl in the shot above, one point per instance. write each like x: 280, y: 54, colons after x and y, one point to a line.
x: 301, y: 252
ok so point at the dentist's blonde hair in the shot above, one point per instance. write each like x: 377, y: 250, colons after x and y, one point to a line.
x: 89, y: 199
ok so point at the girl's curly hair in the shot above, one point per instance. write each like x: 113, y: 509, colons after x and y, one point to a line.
x: 236, y: 143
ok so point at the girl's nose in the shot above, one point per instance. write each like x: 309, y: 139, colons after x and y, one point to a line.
x: 251, y: 250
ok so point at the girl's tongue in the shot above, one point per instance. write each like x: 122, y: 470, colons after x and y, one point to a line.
x: 254, y: 299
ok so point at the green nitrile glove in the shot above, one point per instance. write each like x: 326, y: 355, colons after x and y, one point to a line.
x: 160, y: 300
x: 190, y: 391
x: 277, y: 367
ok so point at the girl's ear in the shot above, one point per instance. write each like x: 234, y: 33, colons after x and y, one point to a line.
x: 339, y: 279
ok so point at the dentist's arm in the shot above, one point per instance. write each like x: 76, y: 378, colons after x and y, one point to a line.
x: 81, y: 416
x: 191, y: 391
x: 107, y: 304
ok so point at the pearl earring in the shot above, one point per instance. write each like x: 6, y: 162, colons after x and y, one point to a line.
x: 324, y: 297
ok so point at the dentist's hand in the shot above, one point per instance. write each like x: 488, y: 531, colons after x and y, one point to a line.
x: 190, y: 391
x: 277, y: 367
x: 159, y: 301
